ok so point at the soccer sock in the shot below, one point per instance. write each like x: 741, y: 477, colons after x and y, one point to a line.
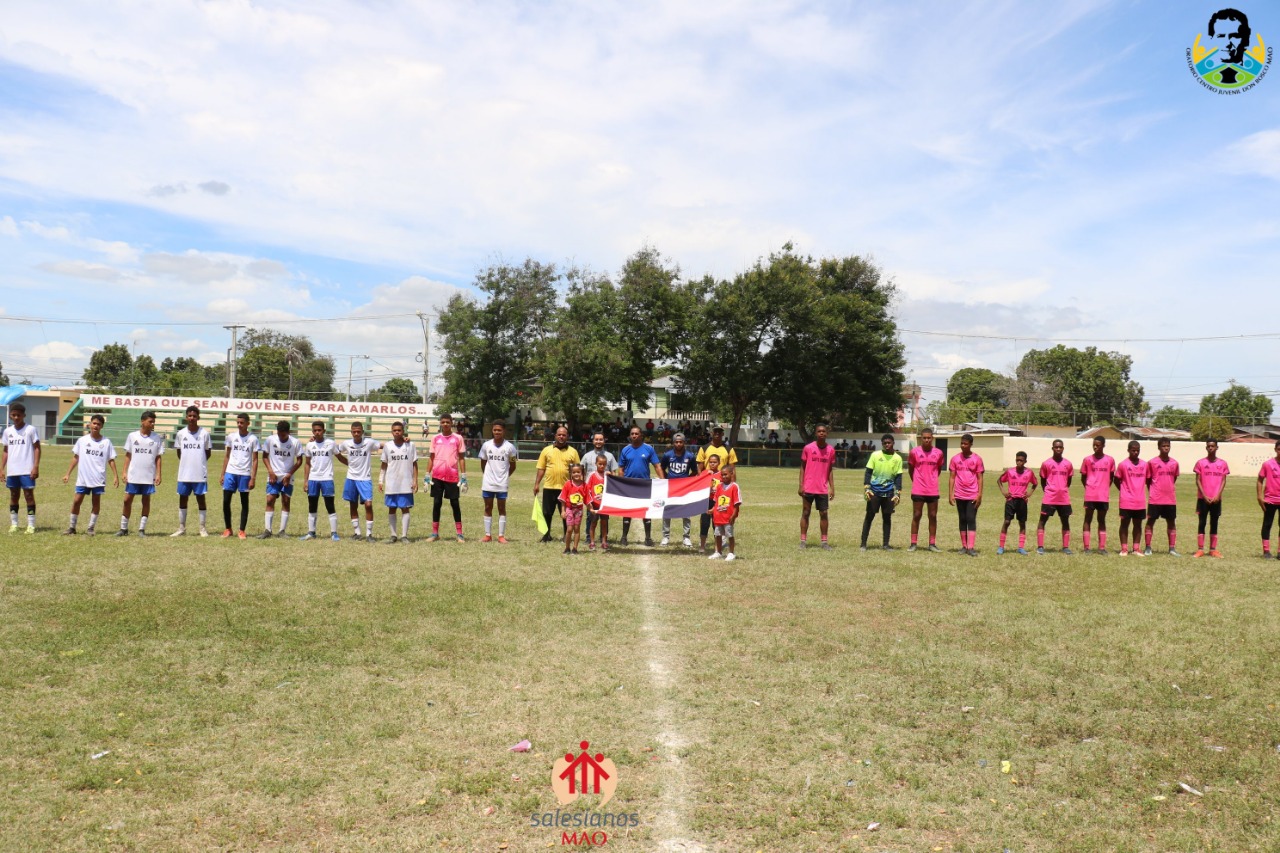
x: 284, y: 520
x: 915, y: 538
x: 488, y: 525
x: 226, y: 510
x: 182, y: 518
x: 502, y: 525
x: 1087, y: 536
x: 203, y: 516
x: 333, y: 522
x: 404, y: 525
x: 933, y: 540
x: 1266, y: 543
x: 457, y: 525
x: 1040, y: 537
x: 270, y: 517
x: 244, y: 510
x: 1146, y: 536
x: 435, y: 528
x: 355, y: 525
x: 1102, y: 539
x: 13, y: 514
x: 1066, y: 539
x: 368, y: 527
x: 1199, y: 541
x: 142, y: 523
x: 75, y: 518
x: 973, y: 539
x: 1022, y: 540
x: 311, y: 522
x: 1002, y: 538
x: 803, y: 536
x: 124, y: 522
x: 1213, y: 542
x: 93, y: 520
x: 824, y: 539
x: 391, y: 521
x: 1173, y: 540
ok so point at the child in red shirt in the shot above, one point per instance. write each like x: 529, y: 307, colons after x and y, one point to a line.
x: 574, y: 497
x: 595, y: 483
x: 727, y: 500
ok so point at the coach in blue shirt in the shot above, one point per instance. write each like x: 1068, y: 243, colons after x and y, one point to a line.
x: 635, y: 460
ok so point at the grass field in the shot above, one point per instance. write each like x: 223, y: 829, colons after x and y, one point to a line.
x: 207, y: 694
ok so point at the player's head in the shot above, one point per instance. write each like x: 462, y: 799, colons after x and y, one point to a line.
x: 1211, y: 447
x: 17, y: 413
x: 1057, y: 448
x: 717, y: 436
x: 95, y: 424
x: 635, y: 436
x: 397, y: 432
x: 713, y: 462
x: 357, y: 431
x: 1135, y: 449
x: 926, y: 438
x: 1020, y: 458
x: 886, y: 442
x: 575, y: 472
x: 677, y: 441
x: 1163, y: 446
x: 597, y: 441
x: 242, y: 423
x: 602, y: 463
x: 1229, y: 32
x: 966, y: 442
x: 1278, y: 449
x: 820, y: 432
x: 282, y: 429
x: 1098, y: 443
x: 446, y: 423
x: 147, y: 420
x: 317, y: 430
x: 726, y: 476
x: 562, y: 436
x: 498, y: 430
x: 193, y: 417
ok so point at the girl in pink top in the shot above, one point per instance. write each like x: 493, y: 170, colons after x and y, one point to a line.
x: 964, y: 492
x: 1269, y: 497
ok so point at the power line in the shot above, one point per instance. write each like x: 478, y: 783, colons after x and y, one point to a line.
x: 264, y: 324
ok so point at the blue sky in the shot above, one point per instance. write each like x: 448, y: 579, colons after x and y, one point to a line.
x: 1022, y: 170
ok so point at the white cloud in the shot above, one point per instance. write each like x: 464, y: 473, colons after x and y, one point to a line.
x: 61, y: 350
x: 8, y: 227
x: 82, y: 269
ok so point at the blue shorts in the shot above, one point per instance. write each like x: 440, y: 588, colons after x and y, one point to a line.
x: 358, y: 490
x: 319, y: 488
x: 21, y: 481
x: 235, y: 482
x: 502, y: 496
x: 276, y: 489
x: 401, y: 501
x: 185, y: 489
x: 139, y: 489
x: 90, y: 490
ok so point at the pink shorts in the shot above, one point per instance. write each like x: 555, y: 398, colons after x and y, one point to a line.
x: 573, y: 515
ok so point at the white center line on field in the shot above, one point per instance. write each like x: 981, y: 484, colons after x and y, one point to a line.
x: 670, y: 829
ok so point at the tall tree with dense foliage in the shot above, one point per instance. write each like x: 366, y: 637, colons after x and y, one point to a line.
x: 395, y: 390
x: 1171, y: 417
x: 979, y: 386
x: 110, y: 369
x: 491, y: 346
x: 1238, y: 404
x: 1084, y: 386
x: 280, y: 366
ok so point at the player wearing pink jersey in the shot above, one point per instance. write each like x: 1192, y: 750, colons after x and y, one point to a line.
x: 1096, y: 473
x: 1211, y: 476
x: 1269, y: 497
x: 924, y: 466
x: 1162, y: 482
x: 964, y: 492
x: 817, y: 483
x: 1055, y: 479
x: 1016, y: 484
x: 1131, y: 477
x: 448, y: 473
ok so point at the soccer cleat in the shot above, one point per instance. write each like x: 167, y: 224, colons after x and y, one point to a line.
x: 307, y: 537
x: 1022, y: 551
x: 730, y: 556
x: 665, y: 541
x: 266, y: 534
x: 545, y: 538
x: 461, y: 538
x: 911, y: 548
x: 356, y: 536
x: 1067, y: 551
x: 934, y: 548
x: 488, y: 538
x: 1040, y: 551
x: 1124, y: 552
x: 715, y: 555
x: 566, y: 552
x: 393, y: 540
x: 335, y: 537
x: 181, y: 531
x: 802, y: 546
x: 1172, y: 553
x: 203, y: 531
x: 369, y: 537
x: 142, y: 533
x: 1215, y: 553
x: 862, y: 547
x: 648, y: 543
x: 91, y: 532
x: 622, y: 541
x: 435, y: 537
x: 71, y: 531
x: 886, y: 548
x: 13, y: 528
x: 687, y: 542
x: 122, y: 532
x: 1199, y: 553
x: 1000, y: 549
x: 226, y: 534
x: 502, y: 540
x: 826, y: 547
x: 1102, y: 552
x: 241, y: 536
x: 1146, y: 552
x: 973, y: 552
x: 1138, y: 553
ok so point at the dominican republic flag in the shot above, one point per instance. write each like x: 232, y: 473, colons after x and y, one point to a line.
x: 633, y: 497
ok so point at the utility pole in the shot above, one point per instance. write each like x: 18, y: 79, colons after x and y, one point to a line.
x: 426, y: 356
x: 351, y: 361
x: 231, y: 363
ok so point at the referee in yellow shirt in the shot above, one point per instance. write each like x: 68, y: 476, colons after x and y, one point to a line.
x: 553, y: 468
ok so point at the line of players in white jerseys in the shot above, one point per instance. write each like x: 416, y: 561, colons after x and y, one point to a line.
x: 280, y: 456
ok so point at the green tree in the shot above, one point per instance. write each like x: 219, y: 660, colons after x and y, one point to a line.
x: 655, y: 313
x: 491, y: 347
x: 4, y: 380
x: 1208, y: 427
x: 1238, y: 404
x: 978, y: 385
x: 109, y: 369
x: 279, y: 366
x: 396, y: 390
x: 1170, y: 417
x: 1085, y: 386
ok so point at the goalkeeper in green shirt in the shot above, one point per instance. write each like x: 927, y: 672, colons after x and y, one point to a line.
x: 882, y: 487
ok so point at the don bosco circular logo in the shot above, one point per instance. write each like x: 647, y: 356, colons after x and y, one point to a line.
x: 1229, y: 57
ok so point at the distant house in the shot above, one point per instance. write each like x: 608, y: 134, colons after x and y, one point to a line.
x: 1139, y: 433
x: 1255, y: 433
x: 979, y: 428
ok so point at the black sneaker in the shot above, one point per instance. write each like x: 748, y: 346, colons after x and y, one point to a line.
x: 648, y: 543
x: 935, y: 548
x: 122, y: 532
x: 266, y: 534
x: 357, y: 537
x: 70, y: 531
x: 911, y: 547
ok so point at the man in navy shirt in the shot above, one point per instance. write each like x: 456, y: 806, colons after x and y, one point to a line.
x: 678, y: 462
x: 635, y: 460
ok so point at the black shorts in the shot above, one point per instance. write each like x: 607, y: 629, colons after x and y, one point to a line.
x: 441, y: 489
x: 1169, y: 512
x: 1060, y: 510
x: 1203, y: 507
x: 1132, y: 514
x: 819, y: 500
x: 1015, y: 508
x: 924, y: 499
x: 1099, y: 506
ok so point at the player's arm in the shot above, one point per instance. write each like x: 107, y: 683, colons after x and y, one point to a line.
x: 297, y: 463
x: 253, y: 471
x: 1261, y: 476
x: 1199, y: 490
x: 1031, y: 487
x: 831, y: 479
x: 541, y: 472
x: 306, y: 471
x: 115, y: 471
x: 35, y: 465
x: 951, y: 487
x: 415, y: 476
x: 226, y: 458
x: 982, y: 482
x: 159, y: 468
x: 462, y: 458
x: 342, y: 457
x: 866, y: 480
x: 512, y: 459
x: 911, y: 467
x: 76, y: 459
x: 800, y: 486
x: 382, y: 476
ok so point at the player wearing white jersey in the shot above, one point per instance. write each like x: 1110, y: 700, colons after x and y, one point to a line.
x: 143, y: 471
x: 282, y: 454
x: 239, y: 473
x: 357, y: 454
x: 498, y: 459
x: 194, y: 446
x: 92, y: 453
x: 21, y: 465
x: 318, y: 474
x: 398, y: 479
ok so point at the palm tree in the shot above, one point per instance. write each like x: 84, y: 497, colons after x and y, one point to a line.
x: 291, y: 358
